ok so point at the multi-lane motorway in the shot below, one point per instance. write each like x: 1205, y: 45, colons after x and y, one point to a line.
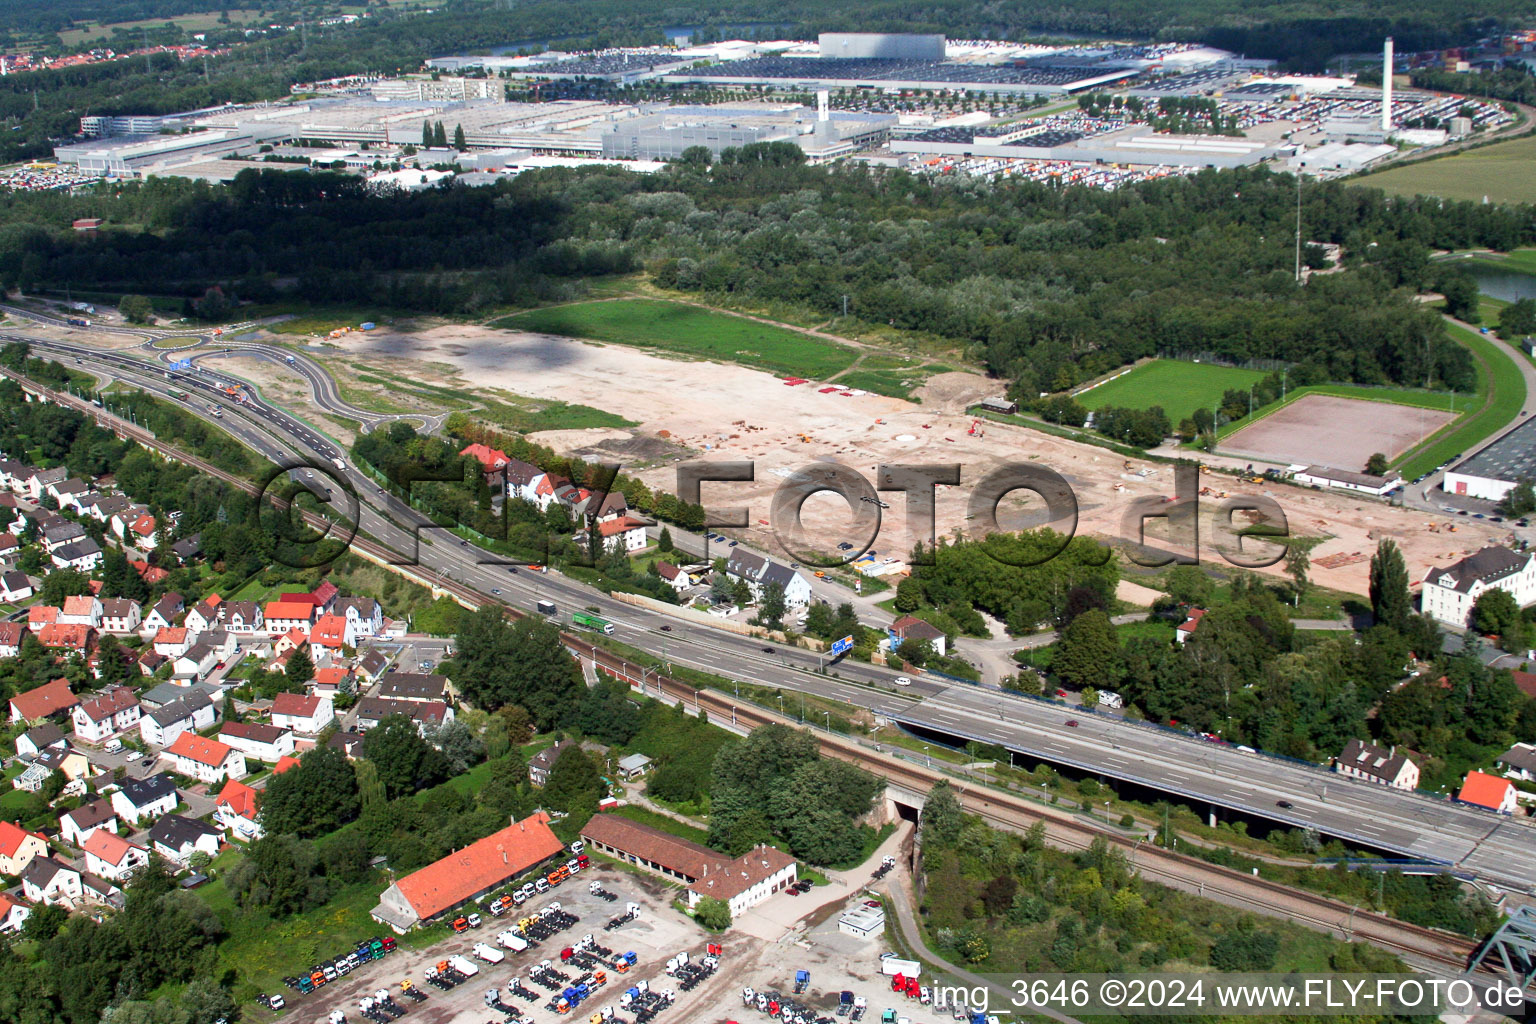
x: 1499, y: 850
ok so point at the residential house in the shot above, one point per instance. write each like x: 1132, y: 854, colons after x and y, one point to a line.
x: 1381, y: 765
x: 150, y: 661
x: 196, y: 664
x: 491, y: 459
x: 68, y: 762
x: 741, y: 882
x: 172, y: 641
x: 68, y: 492
x: 177, y: 838
x: 165, y: 614
x: 521, y: 480
x: 161, y: 694
x: 18, y: 847
x: 330, y: 635
x: 372, y: 664
x: 10, y: 544
x: 306, y: 715
x: 324, y: 595
x: 188, y: 549
x: 290, y: 641
x: 203, y: 759
x: 141, y: 800
x: 68, y: 637
x: 1518, y: 762
x: 468, y: 874
x: 11, y: 634
x: 349, y: 743
x: 51, y: 700
x: 266, y: 743
x: 163, y: 726
x: 415, y: 686
x: 95, y: 889
x: 81, y: 610
x: 909, y: 627
x: 238, y: 811
x: 114, y: 711
x: 1449, y: 593
x: 13, y: 914
x: 222, y: 641
x: 65, y: 532
x: 51, y: 882
x: 633, y: 766
x: 545, y: 488
x: 364, y: 615
x: 242, y: 618
x: 627, y: 532
x: 108, y: 506
x: 76, y: 826
x: 37, y: 739
x: 285, y: 763
x: 331, y: 680
x: 426, y: 714
x: 14, y: 586
x: 1186, y: 629
x: 121, y: 616
x: 282, y: 616
x: 204, y: 615
x: 113, y: 857
x: 759, y: 572
x: 1488, y: 791
x: 83, y: 555
x: 675, y: 577
x: 40, y: 615
x: 35, y: 482
x: 540, y: 764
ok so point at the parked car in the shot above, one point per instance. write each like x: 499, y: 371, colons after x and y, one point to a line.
x: 902, y: 681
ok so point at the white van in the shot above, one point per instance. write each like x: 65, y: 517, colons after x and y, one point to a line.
x: 113, y: 745
x: 1108, y: 699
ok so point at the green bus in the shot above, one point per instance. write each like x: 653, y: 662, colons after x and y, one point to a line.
x: 591, y: 621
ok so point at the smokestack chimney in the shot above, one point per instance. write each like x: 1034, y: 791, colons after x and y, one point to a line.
x: 1386, y: 86
x: 823, y: 98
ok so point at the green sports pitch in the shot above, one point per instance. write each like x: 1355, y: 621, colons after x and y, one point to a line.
x: 1179, y: 387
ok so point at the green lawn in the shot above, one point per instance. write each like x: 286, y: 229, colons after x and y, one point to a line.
x: 1498, y: 375
x: 1501, y: 172
x: 676, y: 327
x: 661, y: 822
x: 1179, y: 387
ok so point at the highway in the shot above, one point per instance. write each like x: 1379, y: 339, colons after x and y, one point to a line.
x: 1499, y: 850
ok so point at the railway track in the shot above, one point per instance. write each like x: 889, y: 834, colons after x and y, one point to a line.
x: 1002, y: 808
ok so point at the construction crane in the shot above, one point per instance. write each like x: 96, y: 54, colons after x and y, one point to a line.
x: 976, y: 430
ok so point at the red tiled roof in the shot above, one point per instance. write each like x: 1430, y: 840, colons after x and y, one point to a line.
x: 330, y: 630
x: 490, y: 458
x: 238, y: 797
x: 331, y: 675
x: 1484, y: 790
x: 714, y: 874
x: 82, y: 604
x: 74, y: 635
x: 1189, y: 624
x: 144, y: 525
x: 284, y: 763
x: 12, y: 836
x: 620, y: 525
x: 289, y: 609
x: 109, y: 846
x: 200, y: 749
x: 479, y: 866
x: 296, y: 705
x: 325, y: 592
x: 45, y: 700
x: 151, y: 573
x: 1526, y: 681
x: 11, y: 633
x: 42, y: 614
x: 171, y: 635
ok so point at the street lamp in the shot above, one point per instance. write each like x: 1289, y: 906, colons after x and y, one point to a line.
x: 781, y: 705
x: 928, y: 754
x: 829, y: 722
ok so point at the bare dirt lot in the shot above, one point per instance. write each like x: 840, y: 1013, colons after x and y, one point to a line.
x: 1324, y: 430
x: 729, y: 412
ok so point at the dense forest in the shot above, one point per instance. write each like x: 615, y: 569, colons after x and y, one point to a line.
x: 1046, y: 286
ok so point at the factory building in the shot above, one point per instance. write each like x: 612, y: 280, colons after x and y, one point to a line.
x: 444, y: 90
x: 1493, y: 472
x: 1139, y: 146
x: 887, y: 45
x: 665, y: 135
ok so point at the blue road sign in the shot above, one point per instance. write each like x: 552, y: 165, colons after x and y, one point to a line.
x: 842, y: 646
x: 182, y: 364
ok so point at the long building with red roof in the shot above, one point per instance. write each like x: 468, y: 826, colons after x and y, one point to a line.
x: 467, y: 874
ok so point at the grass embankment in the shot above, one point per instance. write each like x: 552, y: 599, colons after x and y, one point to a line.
x: 1500, y: 172
x: 689, y: 330
x: 1500, y: 396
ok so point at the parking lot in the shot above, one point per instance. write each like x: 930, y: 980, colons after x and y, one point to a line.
x: 659, y: 934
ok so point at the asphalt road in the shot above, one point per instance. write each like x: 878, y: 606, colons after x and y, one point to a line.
x: 1499, y: 849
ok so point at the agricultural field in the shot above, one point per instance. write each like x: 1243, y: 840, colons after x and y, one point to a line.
x: 1179, y: 387
x: 1501, y: 172
x: 689, y: 330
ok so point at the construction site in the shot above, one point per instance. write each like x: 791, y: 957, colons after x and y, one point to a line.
x: 720, y: 411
